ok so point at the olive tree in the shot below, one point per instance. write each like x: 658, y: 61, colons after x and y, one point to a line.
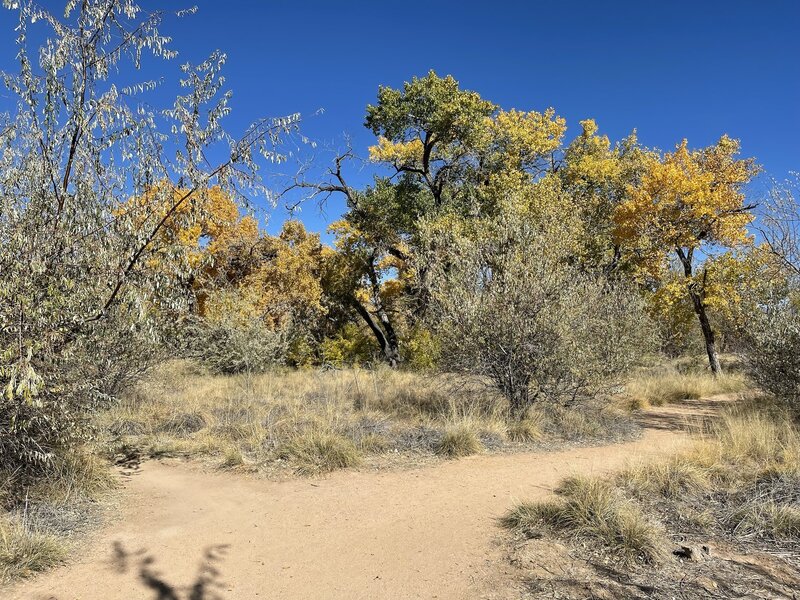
x: 80, y: 138
x: 513, y: 308
x: 772, y: 337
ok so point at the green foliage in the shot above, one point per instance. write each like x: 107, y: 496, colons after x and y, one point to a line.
x: 422, y: 349
x: 350, y: 346
x: 430, y: 105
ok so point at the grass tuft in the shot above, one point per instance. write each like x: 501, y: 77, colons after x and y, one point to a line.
x: 592, y: 508
x: 525, y: 431
x: 459, y: 440
x: 314, y: 452
x: 671, y: 478
x: 24, y: 553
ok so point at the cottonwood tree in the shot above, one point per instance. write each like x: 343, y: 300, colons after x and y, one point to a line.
x: 599, y: 175
x: 442, y: 145
x: 78, y: 142
x: 687, y: 204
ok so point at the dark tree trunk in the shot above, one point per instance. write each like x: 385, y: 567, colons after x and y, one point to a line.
x: 697, y: 295
x: 388, y: 343
x: 708, y: 332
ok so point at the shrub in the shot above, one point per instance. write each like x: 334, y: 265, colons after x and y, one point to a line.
x: 349, y: 347
x: 93, y: 254
x: 513, y: 311
x: 230, y: 344
x: 421, y: 349
x: 772, y: 344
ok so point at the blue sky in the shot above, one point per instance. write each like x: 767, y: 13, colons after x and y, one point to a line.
x: 669, y: 69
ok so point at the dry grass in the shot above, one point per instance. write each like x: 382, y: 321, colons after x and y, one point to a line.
x: 43, y: 516
x: 740, y: 481
x: 24, y: 552
x: 592, y: 508
x: 525, y: 431
x: 459, y: 439
x: 673, y: 383
x: 747, y: 470
x: 314, y: 452
x: 309, y: 422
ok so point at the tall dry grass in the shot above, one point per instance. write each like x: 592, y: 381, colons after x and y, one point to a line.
x: 684, y: 379
x: 740, y: 480
x: 40, y: 518
x: 311, y: 421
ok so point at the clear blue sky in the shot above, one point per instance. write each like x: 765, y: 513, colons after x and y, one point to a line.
x: 670, y: 69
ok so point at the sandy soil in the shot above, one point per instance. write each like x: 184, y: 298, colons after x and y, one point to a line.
x: 423, y: 533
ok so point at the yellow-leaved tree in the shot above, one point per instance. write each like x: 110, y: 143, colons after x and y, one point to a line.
x: 687, y: 204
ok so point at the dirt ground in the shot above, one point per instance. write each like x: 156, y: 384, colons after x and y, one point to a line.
x: 431, y: 532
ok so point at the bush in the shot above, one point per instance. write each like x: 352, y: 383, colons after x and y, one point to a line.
x: 773, y: 351
x: 513, y: 310
x: 421, y: 349
x: 229, y: 345
x: 349, y: 347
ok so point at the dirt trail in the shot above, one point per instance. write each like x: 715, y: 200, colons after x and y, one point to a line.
x: 423, y: 533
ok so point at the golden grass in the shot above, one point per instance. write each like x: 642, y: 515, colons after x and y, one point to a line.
x: 315, y: 452
x: 741, y: 478
x: 526, y: 430
x: 270, y: 421
x: 73, y: 476
x: 592, y: 508
x: 24, y: 553
x: 668, y: 385
x: 459, y: 439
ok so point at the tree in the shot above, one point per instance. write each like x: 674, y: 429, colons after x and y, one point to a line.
x: 687, y: 204
x: 77, y: 262
x: 598, y: 176
x: 445, y: 147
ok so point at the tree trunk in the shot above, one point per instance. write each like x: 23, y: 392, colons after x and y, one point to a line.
x: 708, y: 332
x: 388, y: 343
x: 697, y: 294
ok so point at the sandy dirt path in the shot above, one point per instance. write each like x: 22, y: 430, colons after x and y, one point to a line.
x: 423, y: 533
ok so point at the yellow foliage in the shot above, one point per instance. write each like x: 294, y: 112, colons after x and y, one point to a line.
x: 401, y: 154
x: 287, y: 284
x: 687, y: 199
x: 524, y: 137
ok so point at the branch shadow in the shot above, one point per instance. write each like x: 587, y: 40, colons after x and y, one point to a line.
x: 206, y: 585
